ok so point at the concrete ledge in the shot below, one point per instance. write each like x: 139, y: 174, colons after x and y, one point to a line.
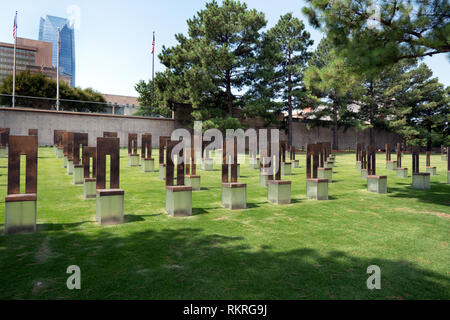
x: 193, y: 181
x: 279, y: 191
x: 432, y: 171
x: 421, y: 181
x: 364, y: 174
x: 162, y: 171
x: 78, y: 174
x: 254, y: 163
x: 133, y: 160
x: 317, y: 189
x: 325, y: 173
x: 110, y: 206
x: 377, y: 184
x: 90, y: 188
x: 402, y: 172
x: 391, y: 165
x: 234, y: 195
x: 208, y: 165
x: 179, y: 201
x: 20, y: 216
x: 329, y: 164
x: 148, y: 165
x: 3, y: 152
x: 286, y: 169
x: 263, y: 180
x: 70, y: 167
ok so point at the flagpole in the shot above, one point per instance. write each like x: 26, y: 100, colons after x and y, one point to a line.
x: 14, y: 63
x: 57, y: 71
x: 153, y: 71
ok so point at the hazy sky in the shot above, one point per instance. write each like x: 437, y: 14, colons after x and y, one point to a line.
x: 113, y: 38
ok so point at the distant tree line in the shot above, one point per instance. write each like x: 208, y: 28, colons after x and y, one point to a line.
x: 44, y: 89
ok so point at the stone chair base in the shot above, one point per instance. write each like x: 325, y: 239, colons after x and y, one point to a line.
x: 448, y: 177
x: 90, y: 190
x: 402, y: 172
x: 20, y: 213
x: 110, y: 206
x: 317, y: 189
x: 208, y: 164
x: 286, y: 169
x: 358, y: 165
x: 377, y: 184
x: 263, y: 180
x: 234, y: 195
x: 254, y: 164
x: 444, y: 157
x: 3, y: 152
x: 133, y: 160
x: 364, y: 174
x: 279, y: 191
x: 78, y: 174
x: 432, y: 171
x: 162, y: 171
x: 148, y: 165
x: 193, y: 181
x: 70, y: 167
x: 421, y: 181
x: 391, y: 165
x: 64, y: 165
x: 59, y: 153
x: 329, y: 164
x: 295, y: 164
x: 179, y: 201
x: 325, y: 173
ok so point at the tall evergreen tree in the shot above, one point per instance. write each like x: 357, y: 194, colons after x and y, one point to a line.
x: 374, y: 34
x: 330, y: 78
x: 421, y: 112
x: 282, y: 60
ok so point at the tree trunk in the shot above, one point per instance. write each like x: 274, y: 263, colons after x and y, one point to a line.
x: 289, y: 117
x: 289, y: 105
x: 372, y: 115
x: 429, y: 142
x: 229, y: 95
x: 335, y: 123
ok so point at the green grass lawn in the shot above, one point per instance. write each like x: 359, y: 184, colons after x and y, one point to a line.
x: 305, y: 250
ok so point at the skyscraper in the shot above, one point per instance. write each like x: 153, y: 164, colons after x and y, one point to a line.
x: 48, y: 31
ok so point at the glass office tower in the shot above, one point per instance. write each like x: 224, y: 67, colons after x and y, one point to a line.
x: 48, y: 31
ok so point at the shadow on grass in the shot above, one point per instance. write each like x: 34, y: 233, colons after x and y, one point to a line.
x: 253, y: 205
x: 130, y: 218
x: 59, y: 226
x: 199, y: 211
x: 438, y: 194
x: 190, y: 264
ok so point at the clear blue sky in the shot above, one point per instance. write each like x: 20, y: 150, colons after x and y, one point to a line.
x: 113, y: 38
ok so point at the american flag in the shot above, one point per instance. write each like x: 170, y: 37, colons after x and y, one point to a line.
x: 15, y: 27
x: 153, y: 44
